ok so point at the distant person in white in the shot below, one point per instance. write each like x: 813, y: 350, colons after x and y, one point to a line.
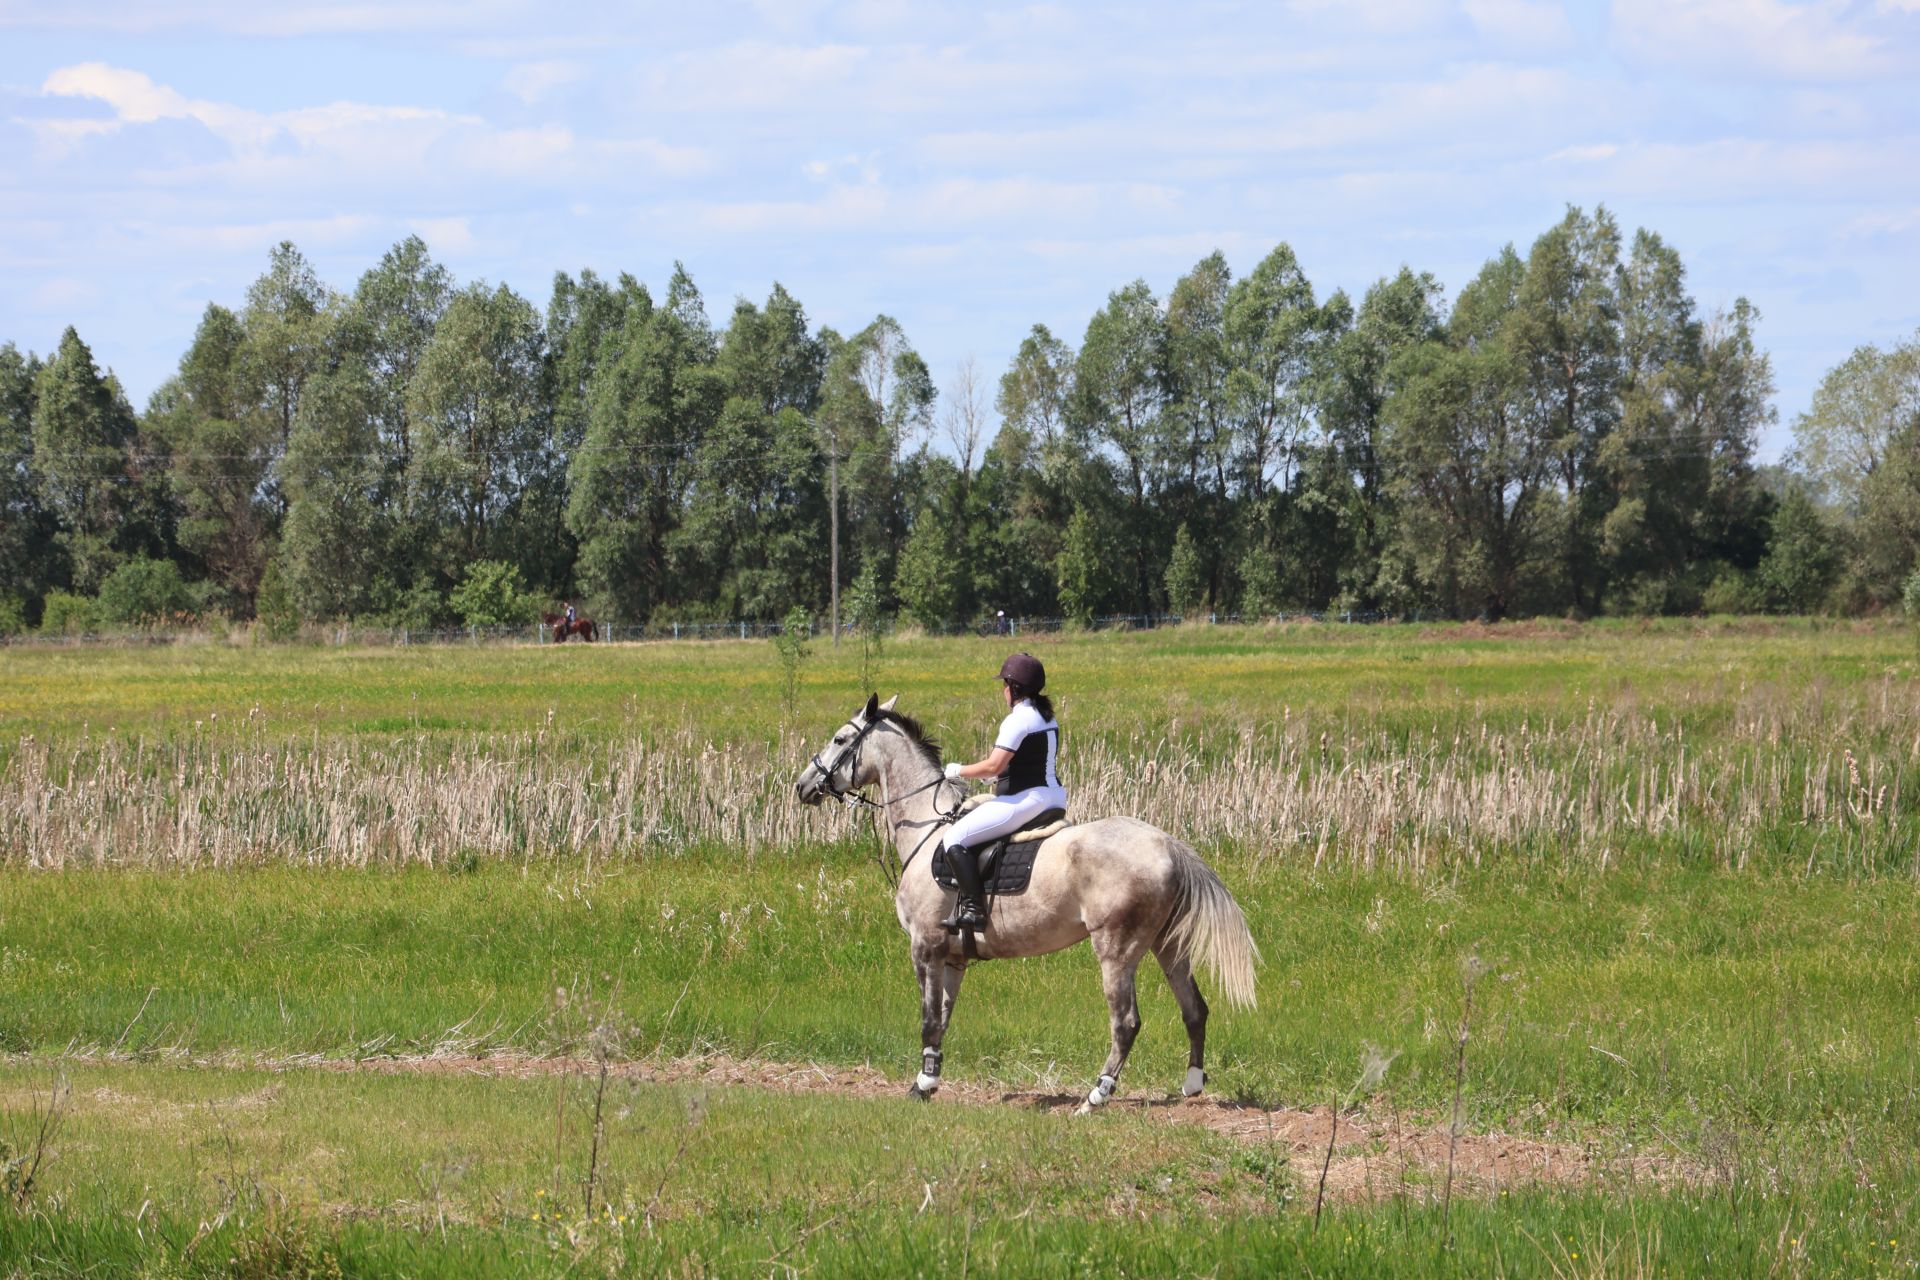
x: 1023, y: 765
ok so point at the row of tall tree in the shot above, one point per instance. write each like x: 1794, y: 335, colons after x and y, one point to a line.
x: 1569, y: 435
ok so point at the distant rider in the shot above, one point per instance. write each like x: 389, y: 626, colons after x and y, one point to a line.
x: 1023, y: 763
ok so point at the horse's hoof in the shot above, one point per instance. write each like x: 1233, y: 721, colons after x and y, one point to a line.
x: 1084, y: 1109
x: 916, y: 1094
x: 1196, y: 1083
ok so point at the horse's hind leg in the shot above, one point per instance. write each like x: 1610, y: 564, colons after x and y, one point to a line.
x: 1119, y: 964
x: 1193, y: 1012
x: 939, y: 989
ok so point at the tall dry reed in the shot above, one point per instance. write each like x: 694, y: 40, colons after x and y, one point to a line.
x: 1782, y: 779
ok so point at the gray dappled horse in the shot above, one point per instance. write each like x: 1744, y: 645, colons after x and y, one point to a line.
x: 1128, y: 887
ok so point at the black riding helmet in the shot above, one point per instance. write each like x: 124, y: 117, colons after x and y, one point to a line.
x: 1024, y: 670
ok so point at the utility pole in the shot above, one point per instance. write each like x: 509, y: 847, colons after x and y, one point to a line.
x: 833, y: 521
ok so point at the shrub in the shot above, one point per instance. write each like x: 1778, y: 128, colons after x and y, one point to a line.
x: 144, y: 593
x: 66, y: 614
x: 13, y: 615
x: 419, y: 607
x: 493, y: 594
x: 274, y: 607
x: 1910, y: 595
x: 1731, y: 592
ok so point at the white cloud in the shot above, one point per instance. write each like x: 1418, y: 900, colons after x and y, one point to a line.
x: 1752, y: 38
x: 446, y: 235
x: 1747, y: 170
x: 246, y: 17
x: 1533, y: 25
x: 344, y: 143
x: 137, y: 100
x: 533, y: 82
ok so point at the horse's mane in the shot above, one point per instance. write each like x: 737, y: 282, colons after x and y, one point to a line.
x: 927, y: 747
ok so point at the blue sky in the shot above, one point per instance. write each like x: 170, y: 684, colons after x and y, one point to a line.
x: 969, y: 169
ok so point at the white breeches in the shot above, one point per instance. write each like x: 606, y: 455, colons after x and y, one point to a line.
x: 1002, y: 816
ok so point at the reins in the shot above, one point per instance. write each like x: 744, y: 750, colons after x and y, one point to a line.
x: 854, y: 799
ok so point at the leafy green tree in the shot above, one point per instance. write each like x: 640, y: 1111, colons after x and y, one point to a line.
x: 1695, y: 396
x: 480, y: 412
x: 1566, y: 332
x: 1884, y: 546
x: 1014, y: 524
x: 1084, y: 570
x: 1273, y: 333
x: 287, y: 320
x: 653, y: 405
x: 1186, y: 578
x: 756, y: 505
x: 27, y: 526
x: 223, y: 451
x: 342, y: 547
x: 1037, y: 389
x: 144, y: 592
x: 1259, y: 581
x: 1801, y: 560
x: 493, y: 594
x: 1474, y: 463
x: 1860, y: 407
x: 931, y: 577
x: 1352, y: 374
x: 83, y: 432
x: 1121, y: 389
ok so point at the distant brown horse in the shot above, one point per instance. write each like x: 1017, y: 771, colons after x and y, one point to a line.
x: 582, y: 627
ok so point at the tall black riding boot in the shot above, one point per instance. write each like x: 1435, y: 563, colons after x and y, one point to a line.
x: 967, y: 910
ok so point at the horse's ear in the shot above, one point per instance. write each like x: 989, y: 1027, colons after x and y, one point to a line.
x: 888, y: 704
x: 872, y: 708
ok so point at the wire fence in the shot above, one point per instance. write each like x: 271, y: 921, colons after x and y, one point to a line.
x: 356, y: 636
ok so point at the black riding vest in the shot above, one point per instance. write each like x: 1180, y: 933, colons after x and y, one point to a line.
x: 1028, y: 768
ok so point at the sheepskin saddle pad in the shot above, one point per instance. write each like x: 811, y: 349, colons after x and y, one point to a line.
x: 1006, y: 865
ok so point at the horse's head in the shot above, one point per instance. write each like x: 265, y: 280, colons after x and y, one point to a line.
x: 843, y: 764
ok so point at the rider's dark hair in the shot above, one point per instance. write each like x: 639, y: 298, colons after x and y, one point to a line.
x: 1041, y: 702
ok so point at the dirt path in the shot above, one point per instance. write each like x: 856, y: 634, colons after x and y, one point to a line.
x: 1375, y: 1153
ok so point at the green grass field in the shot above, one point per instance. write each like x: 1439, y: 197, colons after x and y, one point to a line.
x: 1685, y: 855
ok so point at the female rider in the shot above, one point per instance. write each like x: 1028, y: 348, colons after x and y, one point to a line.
x: 1022, y: 763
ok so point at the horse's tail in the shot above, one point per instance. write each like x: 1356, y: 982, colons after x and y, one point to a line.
x: 1209, y: 929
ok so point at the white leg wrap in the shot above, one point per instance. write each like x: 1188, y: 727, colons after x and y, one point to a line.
x: 1102, y: 1091
x: 1196, y: 1081
x: 925, y: 1083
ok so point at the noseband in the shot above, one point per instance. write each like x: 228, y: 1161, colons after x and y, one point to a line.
x: 848, y: 750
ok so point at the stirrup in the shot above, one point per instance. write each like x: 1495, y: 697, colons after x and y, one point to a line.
x: 966, y: 914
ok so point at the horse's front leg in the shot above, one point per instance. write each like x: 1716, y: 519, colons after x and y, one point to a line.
x: 1119, y: 963
x: 939, y: 988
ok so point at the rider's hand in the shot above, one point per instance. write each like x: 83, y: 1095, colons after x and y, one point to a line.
x: 953, y: 771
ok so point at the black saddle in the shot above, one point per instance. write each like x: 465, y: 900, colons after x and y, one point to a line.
x: 1006, y: 865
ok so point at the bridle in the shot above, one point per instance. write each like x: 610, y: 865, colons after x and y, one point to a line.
x: 847, y: 749
x: 850, y: 752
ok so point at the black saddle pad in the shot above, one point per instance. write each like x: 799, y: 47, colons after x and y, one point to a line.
x: 1005, y: 867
